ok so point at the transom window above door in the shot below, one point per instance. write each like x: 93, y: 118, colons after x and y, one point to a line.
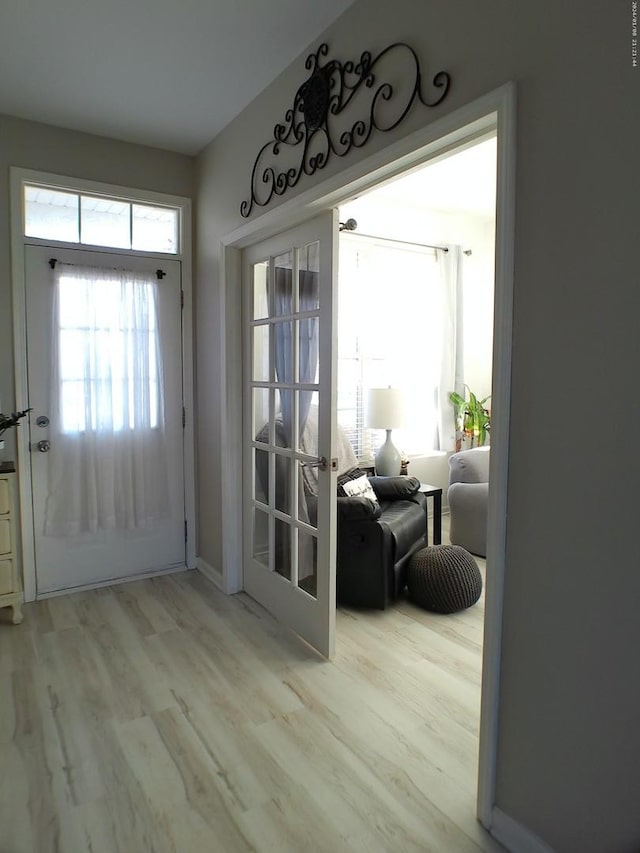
x: 96, y: 220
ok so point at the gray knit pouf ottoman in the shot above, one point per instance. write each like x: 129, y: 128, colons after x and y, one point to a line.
x: 443, y: 578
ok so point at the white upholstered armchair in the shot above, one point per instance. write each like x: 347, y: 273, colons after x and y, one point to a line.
x: 468, y: 497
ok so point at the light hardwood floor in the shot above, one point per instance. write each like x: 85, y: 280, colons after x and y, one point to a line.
x: 162, y: 716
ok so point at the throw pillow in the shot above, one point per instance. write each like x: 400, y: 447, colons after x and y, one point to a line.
x: 360, y: 487
x: 351, y: 474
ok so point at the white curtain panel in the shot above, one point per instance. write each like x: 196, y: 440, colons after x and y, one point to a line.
x: 400, y: 324
x: 107, y: 463
x: 451, y: 361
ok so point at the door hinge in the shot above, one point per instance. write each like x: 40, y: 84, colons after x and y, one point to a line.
x: 186, y: 539
x: 182, y: 298
x: 184, y: 417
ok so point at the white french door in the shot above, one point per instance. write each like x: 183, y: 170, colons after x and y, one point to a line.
x: 289, y: 413
x: 106, y: 436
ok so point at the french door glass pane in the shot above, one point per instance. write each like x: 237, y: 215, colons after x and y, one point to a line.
x: 261, y: 353
x: 308, y: 350
x: 282, y: 563
x: 308, y: 295
x: 284, y: 417
x: 284, y: 284
x: 261, y: 537
x: 308, y: 563
x: 283, y: 350
x: 261, y: 478
x: 308, y: 493
x: 261, y: 290
x: 260, y: 416
x: 283, y: 485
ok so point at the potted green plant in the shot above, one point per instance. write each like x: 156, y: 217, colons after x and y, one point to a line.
x: 472, y: 417
x: 9, y: 421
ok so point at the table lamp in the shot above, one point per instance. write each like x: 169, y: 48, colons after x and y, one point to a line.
x: 385, y: 410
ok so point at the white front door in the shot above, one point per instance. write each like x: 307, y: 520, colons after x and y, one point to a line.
x: 105, y: 386
x: 289, y: 413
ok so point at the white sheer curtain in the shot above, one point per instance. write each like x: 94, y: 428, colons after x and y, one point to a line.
x: 451, y: 359
x: 400, y: 324
x: 107, y: 463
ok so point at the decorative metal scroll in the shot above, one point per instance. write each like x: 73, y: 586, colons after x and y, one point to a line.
x: 313, y: 124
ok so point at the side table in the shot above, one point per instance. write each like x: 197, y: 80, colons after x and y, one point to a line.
x: 434, y: 492
x: 10, y: 575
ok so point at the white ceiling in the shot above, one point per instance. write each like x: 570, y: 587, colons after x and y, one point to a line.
x: 461, y: 182
x: 158, y: 72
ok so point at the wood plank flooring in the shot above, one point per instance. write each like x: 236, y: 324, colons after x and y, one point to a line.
x: 162, y: 716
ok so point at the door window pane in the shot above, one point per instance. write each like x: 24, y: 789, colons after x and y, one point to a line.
x: 260, y: 431
x: 283, y: 349
x: 261, y: 290
x: 308, y: 296
x: 261, y: 476
x: 308, y: 420
x: 51, y: 215
x: 260, y: 353
x: 308, y: 563
x: 308, y: 493
x: 283, y: 484
x: 308, y: 350
x: 108, y: 366
x: 283, y: 549
x: 284, y: 284
x: 261, y: 537
x: 284, y: 418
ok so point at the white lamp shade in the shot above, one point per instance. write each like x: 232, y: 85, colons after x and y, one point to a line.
x: 385, y: 408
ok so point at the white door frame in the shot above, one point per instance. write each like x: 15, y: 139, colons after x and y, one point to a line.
x: 493, y: 111
x: 19, y: 177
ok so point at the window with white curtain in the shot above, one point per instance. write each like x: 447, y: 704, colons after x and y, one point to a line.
x: 390, y: 333
x: 108, y: 350
x: 107, y: 463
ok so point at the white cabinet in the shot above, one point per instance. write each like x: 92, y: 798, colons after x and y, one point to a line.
x: 10, y: 580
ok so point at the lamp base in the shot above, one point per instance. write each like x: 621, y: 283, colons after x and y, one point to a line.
x: 388, y: 459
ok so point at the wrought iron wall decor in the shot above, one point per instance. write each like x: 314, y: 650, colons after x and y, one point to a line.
x: 309, y: 125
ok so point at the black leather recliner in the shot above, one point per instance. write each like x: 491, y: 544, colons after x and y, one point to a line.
x: 376, y: 541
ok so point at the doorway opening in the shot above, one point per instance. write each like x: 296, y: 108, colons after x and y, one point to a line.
x: 401, y: 322
x: 490, y: 113
x: 398, y: 243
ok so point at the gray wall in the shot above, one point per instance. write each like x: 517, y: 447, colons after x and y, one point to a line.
x: 569, y: 743
x: 50, y: 149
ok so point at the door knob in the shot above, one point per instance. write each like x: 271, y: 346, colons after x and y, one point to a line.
x: 44, y: 446
x: 322, y: 464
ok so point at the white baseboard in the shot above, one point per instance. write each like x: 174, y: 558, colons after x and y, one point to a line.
x: 111, y: 582
x: 514, y: 836
x: 211, y: 574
